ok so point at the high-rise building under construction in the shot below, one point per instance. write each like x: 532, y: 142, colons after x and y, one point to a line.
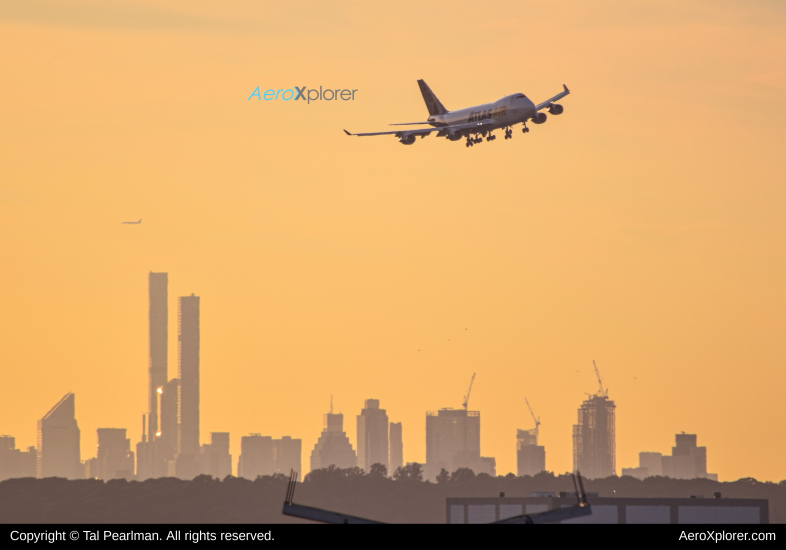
x: 594, y: 440
x: 530, y: 457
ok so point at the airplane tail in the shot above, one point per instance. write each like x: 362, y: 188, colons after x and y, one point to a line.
x: 434, y: 106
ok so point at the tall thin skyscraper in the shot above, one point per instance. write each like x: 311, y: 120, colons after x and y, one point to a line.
x: 594, y: 439
x: 188, y: 370
x: 372, y: 436
x: 396, y: 447
x: 58, y: 442
x: 159, y: 334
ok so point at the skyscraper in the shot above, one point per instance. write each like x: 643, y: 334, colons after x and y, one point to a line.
x: 150, y: 462
x: 263, y: 456
x: 167, y: 435
x: 58, y: 442
x: 530, y: 457
x: 158, y: 346
x: 115, y: 458
x: 396, y: 447
x: 333, y: 446
x: 594, y: 440
x: 687, y: 461
x: 188, y: 402
x: 287, y: 454
x: 214, y: 457
x: 372, y: 436
x: 453, y: 442
x: 15, y: 462
x: 256, y: 456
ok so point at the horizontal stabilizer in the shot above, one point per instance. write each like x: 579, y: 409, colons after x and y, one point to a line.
x: 408, y: 123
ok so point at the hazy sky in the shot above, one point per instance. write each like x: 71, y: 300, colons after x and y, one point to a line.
x: 643, y: 228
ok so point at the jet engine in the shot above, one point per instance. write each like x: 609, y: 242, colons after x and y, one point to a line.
x: 556, y: 109
x: 539, y: 118
x: 408, y: 139
x: 455, y: 135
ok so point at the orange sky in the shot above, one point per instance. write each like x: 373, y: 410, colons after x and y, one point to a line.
x: 644, y: 228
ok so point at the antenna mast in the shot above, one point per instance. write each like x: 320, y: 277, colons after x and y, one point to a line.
x: 466, y: 397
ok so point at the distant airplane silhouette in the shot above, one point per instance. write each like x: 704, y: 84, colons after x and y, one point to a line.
x: 133, y: 223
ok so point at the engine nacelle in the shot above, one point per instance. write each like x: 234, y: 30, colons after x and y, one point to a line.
x: 539, y: 118
x: 455, y: 135
x: 408, y: 139
x: 556, y: 109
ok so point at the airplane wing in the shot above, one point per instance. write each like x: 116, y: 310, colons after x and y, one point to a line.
x: 418, y: 132
x: 548, y: 102
x: 423, y: 132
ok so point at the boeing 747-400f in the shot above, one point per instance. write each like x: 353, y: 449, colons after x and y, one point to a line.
x: 475, y: 123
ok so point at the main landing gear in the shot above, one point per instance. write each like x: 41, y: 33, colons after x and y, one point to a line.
x: 508, y: 133
x: 473, y: 141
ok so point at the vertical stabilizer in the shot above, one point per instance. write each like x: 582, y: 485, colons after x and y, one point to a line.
x: 434, y: 105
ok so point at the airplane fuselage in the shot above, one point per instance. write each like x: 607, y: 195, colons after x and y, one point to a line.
x: 509, y: 110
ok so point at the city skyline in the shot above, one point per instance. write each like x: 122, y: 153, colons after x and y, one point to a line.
x: 454, y: 440
x: 643, y: 228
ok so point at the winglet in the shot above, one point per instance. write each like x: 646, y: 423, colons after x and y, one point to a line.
x: 347, y: 133
x: 566, y: 88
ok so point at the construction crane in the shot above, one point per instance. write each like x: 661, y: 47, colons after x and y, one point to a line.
x: 602, y: 392
x: 536, y: 419
x: 466, y: 397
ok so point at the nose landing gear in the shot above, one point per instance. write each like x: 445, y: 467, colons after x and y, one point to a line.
x: 525, y: 130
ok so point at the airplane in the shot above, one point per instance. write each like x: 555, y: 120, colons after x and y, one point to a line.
x: 132, y: 223
x: 477, y: 122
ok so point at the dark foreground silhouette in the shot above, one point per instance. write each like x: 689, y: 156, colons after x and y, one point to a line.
x: 402, y: 499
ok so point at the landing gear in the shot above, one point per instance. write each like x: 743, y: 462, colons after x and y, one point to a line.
x: 508, y: 133
x: 525, y: 130
x: 491, y: 137
x: 477, y: 139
